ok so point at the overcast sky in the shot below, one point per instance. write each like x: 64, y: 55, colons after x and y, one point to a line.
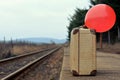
x: 36, y: 18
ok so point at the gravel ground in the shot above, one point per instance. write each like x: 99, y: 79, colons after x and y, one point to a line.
x: 47, y: 70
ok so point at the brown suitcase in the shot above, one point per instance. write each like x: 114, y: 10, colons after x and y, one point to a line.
x: 83, y: 52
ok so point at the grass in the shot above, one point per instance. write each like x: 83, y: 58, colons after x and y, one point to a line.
x: 9, y: 49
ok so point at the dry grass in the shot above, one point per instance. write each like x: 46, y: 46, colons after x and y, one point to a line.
x: 17, y: 50
x: 11, y: 49
x: 26, y: 48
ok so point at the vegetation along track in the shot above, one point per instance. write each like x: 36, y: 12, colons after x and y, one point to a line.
x: 10, y: 65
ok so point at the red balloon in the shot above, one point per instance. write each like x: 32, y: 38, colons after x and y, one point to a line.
x: 100, y: 17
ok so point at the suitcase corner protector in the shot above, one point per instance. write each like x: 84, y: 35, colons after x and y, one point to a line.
x: 93, y: 73
x: 75, y: 73
x: 75, y: 31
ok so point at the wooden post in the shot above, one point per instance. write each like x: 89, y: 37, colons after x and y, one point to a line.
x: 101, y: 40
x: 109, y: 37
x: 118, y: 33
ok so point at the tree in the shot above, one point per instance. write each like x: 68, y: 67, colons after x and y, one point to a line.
x: 115, y: 31
x: 76, y: 20
x: 115, y: 5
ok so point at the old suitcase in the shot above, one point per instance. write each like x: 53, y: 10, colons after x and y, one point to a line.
x: 83, y: 52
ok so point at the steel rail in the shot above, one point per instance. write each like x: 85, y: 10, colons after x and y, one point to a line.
x: 23, y: 55
x: 19, y: 71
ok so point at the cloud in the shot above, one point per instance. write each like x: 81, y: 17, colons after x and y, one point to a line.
x: 33, y: 16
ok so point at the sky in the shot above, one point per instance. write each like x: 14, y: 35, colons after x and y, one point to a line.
x: 36, y: 18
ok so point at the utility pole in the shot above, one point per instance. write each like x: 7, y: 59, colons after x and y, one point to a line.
x: 4, y: 40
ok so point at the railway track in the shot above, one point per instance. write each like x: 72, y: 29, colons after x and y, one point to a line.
x: 12, y: 66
